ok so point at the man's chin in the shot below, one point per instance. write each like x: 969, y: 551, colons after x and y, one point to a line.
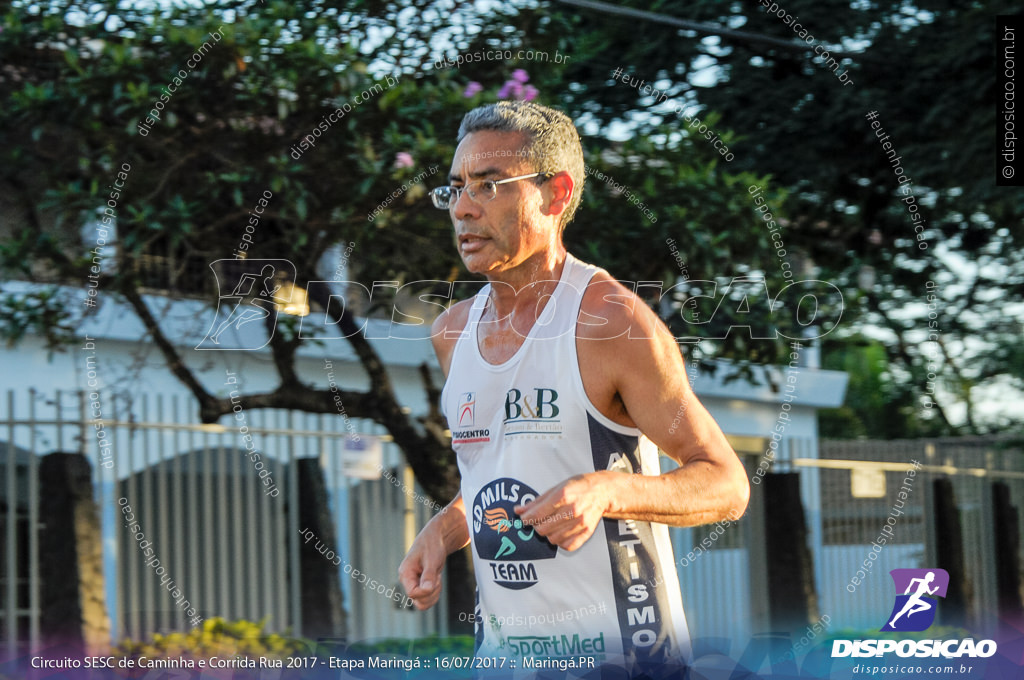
x: 478, y: 265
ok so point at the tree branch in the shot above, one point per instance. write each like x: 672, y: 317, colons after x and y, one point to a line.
x: 902, y: 352
x: 964, y: 385
x: 427, y: 451
x: 282, y: 350
x: 433, y: 395
x: 174, y: 361
x: 295, y: 398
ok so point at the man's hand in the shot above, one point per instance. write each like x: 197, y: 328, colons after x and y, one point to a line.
x: 569, y: 513
x: 420, y: 571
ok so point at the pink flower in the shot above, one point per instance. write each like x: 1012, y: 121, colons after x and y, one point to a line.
x: 472, y: 88
x: 515, y: 89
x: 403, y: 159
x: 519, y: 75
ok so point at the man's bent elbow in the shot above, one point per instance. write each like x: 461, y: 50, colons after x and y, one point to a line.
x: 740, y: 495
x: 733, y: 493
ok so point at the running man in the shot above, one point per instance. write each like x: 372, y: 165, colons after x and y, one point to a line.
x: 915, y: 604
x: 561, y: 384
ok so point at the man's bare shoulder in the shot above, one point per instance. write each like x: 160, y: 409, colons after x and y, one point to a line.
x: 610, y: 311
x: 447, y: 328
x: 452, y: 320
x: 621, y: 341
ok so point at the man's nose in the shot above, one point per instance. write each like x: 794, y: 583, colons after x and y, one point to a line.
x: 465, y: 207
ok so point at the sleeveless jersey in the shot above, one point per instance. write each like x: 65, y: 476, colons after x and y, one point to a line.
x: 520, y: 428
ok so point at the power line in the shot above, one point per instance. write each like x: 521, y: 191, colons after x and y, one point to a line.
x: 699, y: 27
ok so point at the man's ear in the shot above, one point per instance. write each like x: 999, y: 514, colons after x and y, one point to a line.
x: 560, y: 188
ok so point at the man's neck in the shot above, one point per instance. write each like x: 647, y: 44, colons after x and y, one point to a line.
x: 514, y: 291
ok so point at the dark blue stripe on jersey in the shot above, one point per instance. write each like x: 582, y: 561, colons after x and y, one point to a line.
x: 645, y: 620
x: 478, y: 626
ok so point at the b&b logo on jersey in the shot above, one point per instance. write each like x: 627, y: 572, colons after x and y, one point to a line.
x: 532, y: 413
x: 915, y: 609
x: 501, y: 538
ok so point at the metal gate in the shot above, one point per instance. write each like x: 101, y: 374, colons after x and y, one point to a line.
x: 192, y: 525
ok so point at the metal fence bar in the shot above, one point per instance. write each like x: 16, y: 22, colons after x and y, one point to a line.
x: 193, y: 514
x: 33, y: 527
x: 222, y: 559
x: 757, y: 557
x: 147, y: 499
x: 341, y: 493
x: 351, y: 549
x: 12, y: 532
x: 284, y: 559
x: 373, y: 548
x: 160, y: 475
x: 180, y: 551
x: 209, y: 580
x: 271, y: 545
x: 988, y: 596
x: 292, y: 474
x: 238, y: 512
x: 836, y: 464
x: 251, y: 553
x: 128, y: 592
x: 931, y: 542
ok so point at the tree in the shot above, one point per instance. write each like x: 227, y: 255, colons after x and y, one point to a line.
x: 942, y: 292
x: 877, y: 404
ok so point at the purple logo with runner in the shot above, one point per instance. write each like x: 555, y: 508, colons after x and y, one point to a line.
x: 915, y: 609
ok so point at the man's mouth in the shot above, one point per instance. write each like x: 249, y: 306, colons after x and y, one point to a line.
x: 470, y: 243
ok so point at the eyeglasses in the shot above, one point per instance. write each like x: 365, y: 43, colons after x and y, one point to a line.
x: 481, y: 191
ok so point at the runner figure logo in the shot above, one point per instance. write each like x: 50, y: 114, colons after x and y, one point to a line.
x: 915, y: 609
x: 248, y: 291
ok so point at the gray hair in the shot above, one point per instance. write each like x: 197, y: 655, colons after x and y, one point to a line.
x: 552, y: 143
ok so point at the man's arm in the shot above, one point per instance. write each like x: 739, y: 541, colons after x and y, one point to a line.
x: 446, y: 532
x: 634, y: 374
x: 420, y: 571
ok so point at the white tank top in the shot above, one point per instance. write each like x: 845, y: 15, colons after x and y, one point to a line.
x: 520, y: 428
